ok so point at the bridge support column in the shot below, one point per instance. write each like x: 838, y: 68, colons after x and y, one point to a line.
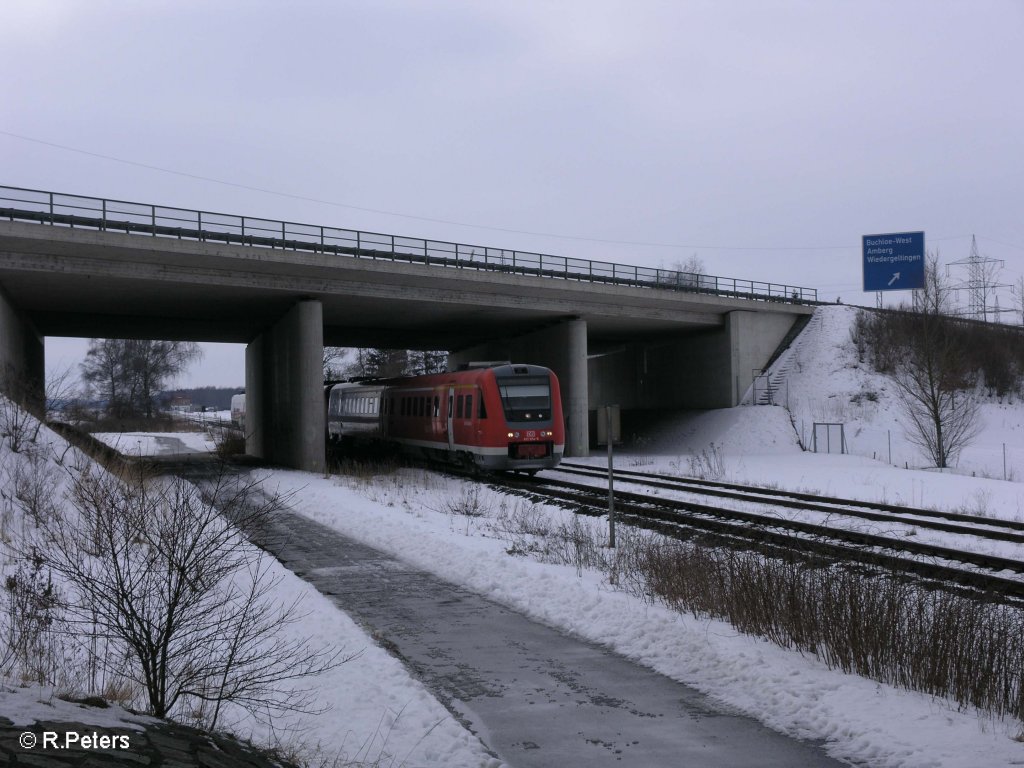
x: 284, y: 395
x: 563, y: 349
x: 22, y: 358
x: 753, y: 338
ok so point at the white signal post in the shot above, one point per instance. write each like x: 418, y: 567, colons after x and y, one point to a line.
x: 611, y: 490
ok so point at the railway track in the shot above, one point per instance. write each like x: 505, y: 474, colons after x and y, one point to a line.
x: 878, y: 512
x: 995, y: 576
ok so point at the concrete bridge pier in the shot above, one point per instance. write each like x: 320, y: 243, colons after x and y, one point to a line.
x: 22, y: 357
x: 563, y: 349
x: 284, y: 400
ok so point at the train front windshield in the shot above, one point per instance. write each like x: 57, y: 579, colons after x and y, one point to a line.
x: 526, y: 398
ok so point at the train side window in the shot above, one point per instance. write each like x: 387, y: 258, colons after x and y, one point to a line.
x: 458, y: 406
x: 483, y: 408
x: 469, y: 406
x: 437, y: 406
x: 421, y: 409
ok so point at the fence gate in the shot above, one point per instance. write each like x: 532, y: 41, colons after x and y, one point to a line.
x: 764, y: 392
x: 829, y: 437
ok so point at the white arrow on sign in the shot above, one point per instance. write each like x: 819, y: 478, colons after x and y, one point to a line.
x: 895, y: 277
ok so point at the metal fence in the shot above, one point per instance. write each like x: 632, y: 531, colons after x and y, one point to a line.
x: 76, y: 211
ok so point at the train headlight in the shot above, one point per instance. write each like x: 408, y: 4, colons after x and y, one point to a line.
x: 511, y: 435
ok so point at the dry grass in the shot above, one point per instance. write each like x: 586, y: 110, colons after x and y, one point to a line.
x: 961, y: 645
x: 965, y: 646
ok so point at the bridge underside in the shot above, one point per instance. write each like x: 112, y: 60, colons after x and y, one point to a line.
x: 635, y: 347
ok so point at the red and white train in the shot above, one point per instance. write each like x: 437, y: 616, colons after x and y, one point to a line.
x: 494, y: 416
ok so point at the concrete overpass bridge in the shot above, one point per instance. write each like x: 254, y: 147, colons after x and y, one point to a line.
x: 633, y: 336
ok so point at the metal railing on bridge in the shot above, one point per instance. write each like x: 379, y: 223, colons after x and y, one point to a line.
x: 77, y: 211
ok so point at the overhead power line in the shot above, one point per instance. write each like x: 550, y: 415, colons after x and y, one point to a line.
x: 449, y: 222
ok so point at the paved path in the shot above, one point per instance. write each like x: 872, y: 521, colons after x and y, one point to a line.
x: 532, y: 694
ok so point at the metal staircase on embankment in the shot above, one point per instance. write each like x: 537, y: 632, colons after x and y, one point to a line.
x: 770, y: 381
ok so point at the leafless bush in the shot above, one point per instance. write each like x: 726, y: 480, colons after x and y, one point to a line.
x: 17, y: 425
x: 879, y: 625
x: 30, y: 611
x: 471, y: 501
x: 709, y: 464
x: 228, y: 441
x: 518, y: 517
x: 31, y: 481
x: 155, y: 567
x: 994, y: 350
x: 581, y: 543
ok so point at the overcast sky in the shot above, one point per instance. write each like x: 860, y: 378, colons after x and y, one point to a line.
x: 764, y: 137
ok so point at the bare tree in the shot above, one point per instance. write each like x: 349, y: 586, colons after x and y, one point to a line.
x: 935, y: 297
x: 936, y: 388
x: 428, y: 361
x: 157, y: 568
x: 684, y: 274
x: 383, y: 363
x: 335, y: 362
x: 128, y: 373
x: 936, y: 393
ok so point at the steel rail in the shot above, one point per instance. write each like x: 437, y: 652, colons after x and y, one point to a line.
x: 681, y: 519
x: 969, y: 525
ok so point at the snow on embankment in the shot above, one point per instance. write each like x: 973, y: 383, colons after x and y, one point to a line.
x: 733, y: 431
x: 373, y: 711
x: 826, y: 382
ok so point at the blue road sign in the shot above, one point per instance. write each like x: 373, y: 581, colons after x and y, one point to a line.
x: 894, y: 262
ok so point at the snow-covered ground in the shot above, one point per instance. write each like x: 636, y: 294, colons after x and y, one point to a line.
x: 860, y: 720
x: 826, y: 383
x: 157, y: 443
x: 407, y: 513
x: 373, y: 711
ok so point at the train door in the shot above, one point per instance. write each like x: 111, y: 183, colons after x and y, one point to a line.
x: 451, y: 417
